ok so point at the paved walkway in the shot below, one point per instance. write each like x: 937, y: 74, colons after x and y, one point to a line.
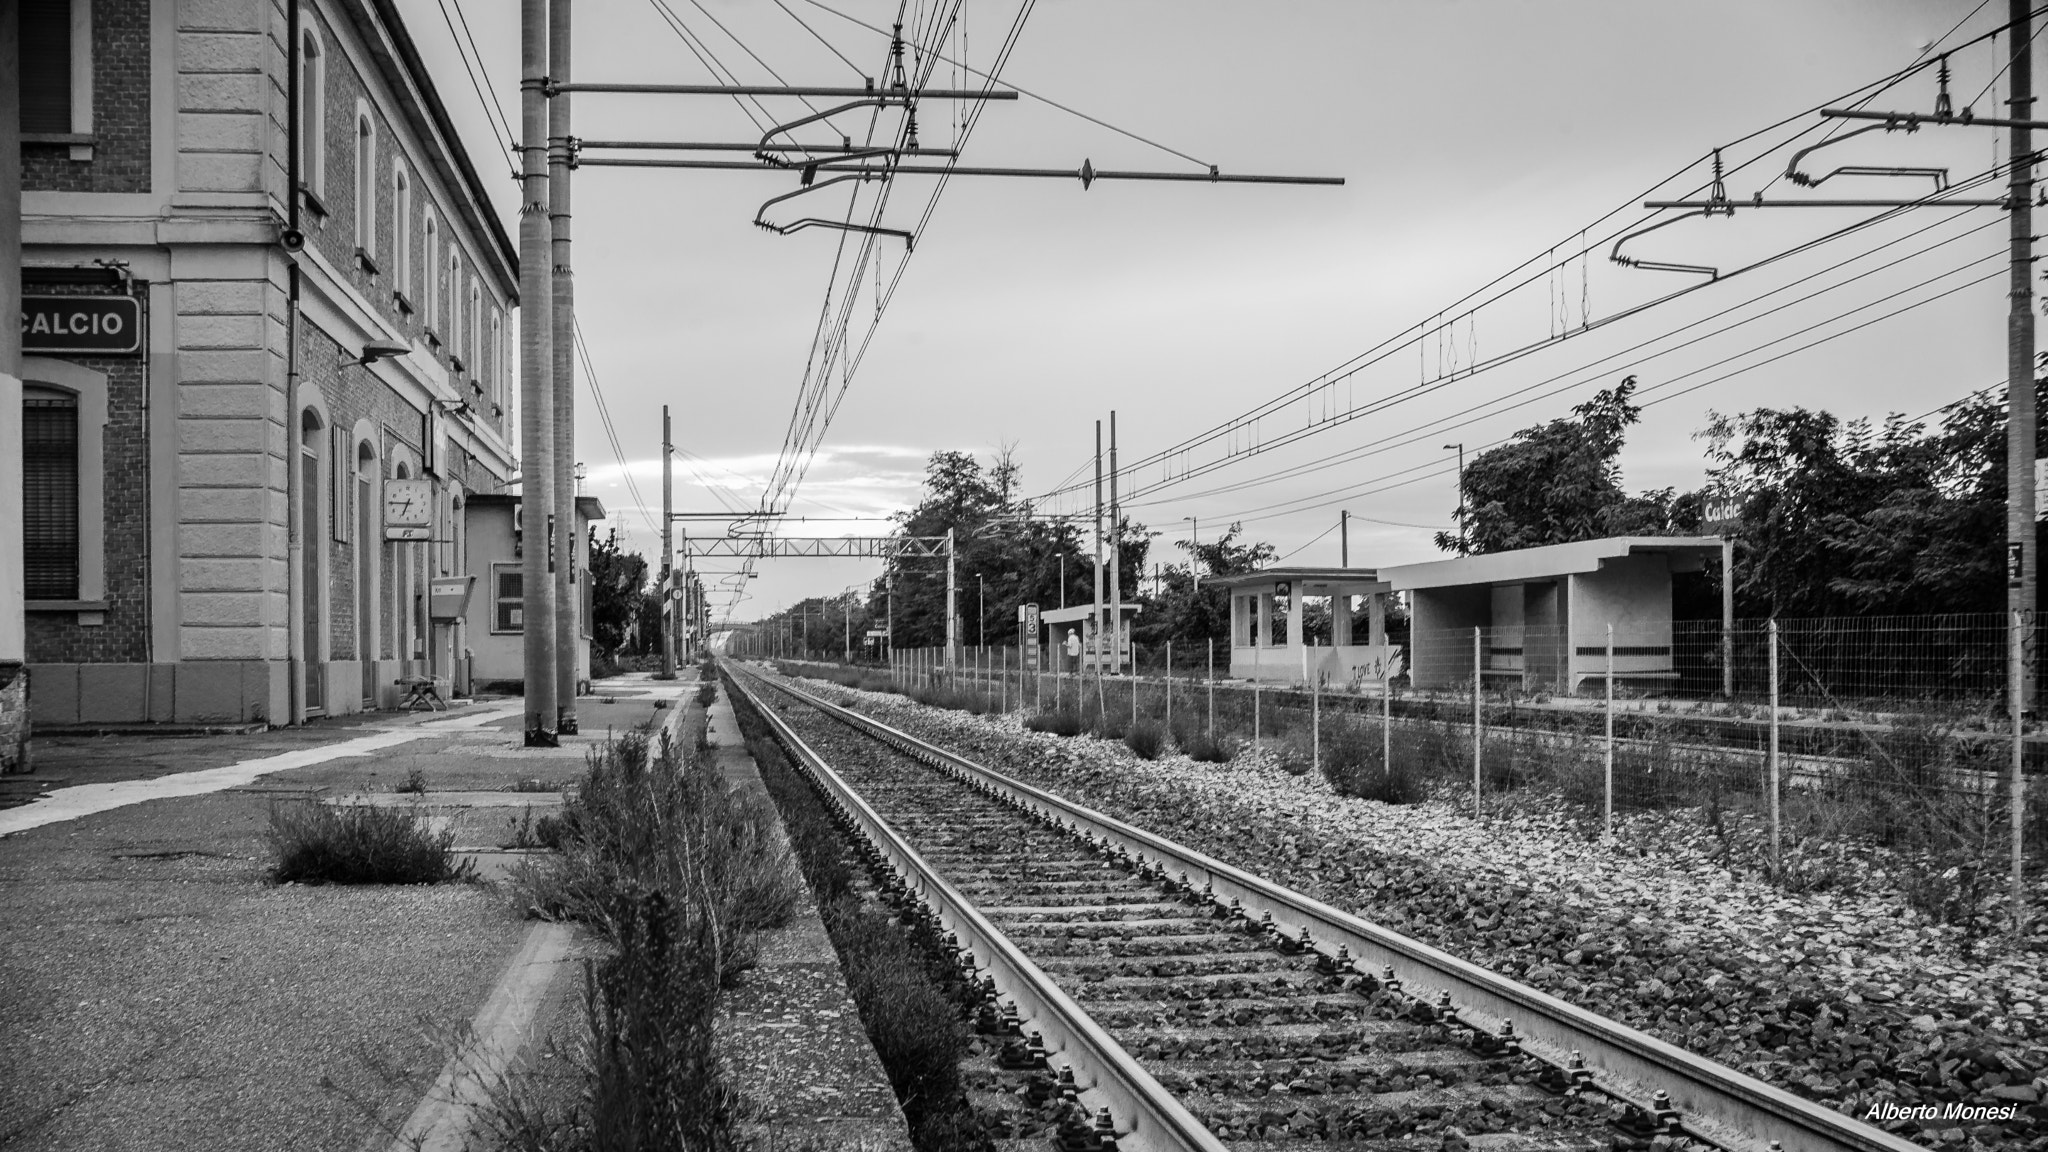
x: 86, y: 799
x: 162, y: 993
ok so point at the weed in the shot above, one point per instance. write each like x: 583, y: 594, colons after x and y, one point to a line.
x: 1194, y: 739
x: 534, y: 784
x: 706, y: 693
x: 315, y: 843
x: 1355, y: 763
x: 415, y: 782
x: 1146, y: 738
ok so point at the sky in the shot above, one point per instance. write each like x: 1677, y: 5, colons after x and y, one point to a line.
x: 1472, y: 136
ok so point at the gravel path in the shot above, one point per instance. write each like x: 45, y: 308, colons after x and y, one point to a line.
x: 1853, y: 1000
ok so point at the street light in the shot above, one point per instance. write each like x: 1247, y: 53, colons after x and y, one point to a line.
x: 1195, y: 557
x: 1464, y: 546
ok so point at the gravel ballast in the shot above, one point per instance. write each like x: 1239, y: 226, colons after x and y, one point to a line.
x: 1854, y: 1000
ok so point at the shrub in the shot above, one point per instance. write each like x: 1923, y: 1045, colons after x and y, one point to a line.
x: 415, y: 782
x: 1109, y: 726
x: 315, y: 843
x: 1061, y: 723
x: 1355, y: 764
x: 1146, y: 738
x: 706, y: 693
x: 1191, y: 735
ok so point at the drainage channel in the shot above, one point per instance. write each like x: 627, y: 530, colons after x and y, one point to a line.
x: 1263, y: 1035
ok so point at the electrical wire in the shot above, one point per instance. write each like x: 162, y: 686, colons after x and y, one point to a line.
x: 494, y: 113
x: 1357, y: 452
x: 1387, y: 481
x: 1022, y: 91
x: 1465, y: 306
x: 604, y: 416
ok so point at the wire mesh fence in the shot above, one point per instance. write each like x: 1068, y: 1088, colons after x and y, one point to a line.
x: 1888, y: 732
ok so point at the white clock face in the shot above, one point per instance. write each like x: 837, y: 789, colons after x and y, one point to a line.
x: 408, y: 503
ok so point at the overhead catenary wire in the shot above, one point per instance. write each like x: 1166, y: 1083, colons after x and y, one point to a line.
x: 1359, y: 451
x: 1479, y: 298
x: 1430, y: 469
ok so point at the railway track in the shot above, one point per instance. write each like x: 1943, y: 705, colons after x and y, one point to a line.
x: 1166, y: 1000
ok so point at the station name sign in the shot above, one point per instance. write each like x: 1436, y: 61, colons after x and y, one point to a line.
x: 103, y: 325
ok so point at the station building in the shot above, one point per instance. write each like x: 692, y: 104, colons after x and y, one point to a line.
x: 1292, y: 625
x: 252, y: 413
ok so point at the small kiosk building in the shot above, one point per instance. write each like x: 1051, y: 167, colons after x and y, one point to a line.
x: 1289, y: 624
x: 1543, y: 613
x: 1061, y: 623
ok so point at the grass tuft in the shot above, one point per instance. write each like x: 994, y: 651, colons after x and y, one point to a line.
x: 1146, y: 738
x: 315, y: 843
x: 1064, y: 722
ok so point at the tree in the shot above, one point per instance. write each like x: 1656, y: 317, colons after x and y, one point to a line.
x: 1558, y: 482
x: 1191, y: 618
x: 618, y: 587
x: 1841, y: 519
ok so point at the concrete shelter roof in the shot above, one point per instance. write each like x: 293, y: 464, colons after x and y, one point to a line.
x: 1081, y: 612
x: 1688, y: 554
x: 1300, y: 575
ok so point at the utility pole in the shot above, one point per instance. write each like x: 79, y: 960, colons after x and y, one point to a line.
x: 567, y: 606
x: 1097, y: 638
x: 1344, y: 539
x: 668, y: 552
x: 1463, y: 546
x: 2022, y: 564
x: 1116, y: 580
x: 536, y: 389
x: 952, y: 604
x: 13, y: 607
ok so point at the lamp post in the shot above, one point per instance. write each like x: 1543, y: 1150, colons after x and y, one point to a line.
x: 1194, y: 557
x: 1464, y: 545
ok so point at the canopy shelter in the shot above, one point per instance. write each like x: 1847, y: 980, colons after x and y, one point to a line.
x: 1288, y: 624
x: 1079, y: 622
x: 1542, y: 614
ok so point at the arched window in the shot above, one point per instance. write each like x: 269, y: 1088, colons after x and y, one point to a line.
x: 451, y: 283
x: 497, y: 373
x: 312, y: 108
x: 366, y: 187
x: 476, y: 331
x: 401, y: 231
x: 430, y: 302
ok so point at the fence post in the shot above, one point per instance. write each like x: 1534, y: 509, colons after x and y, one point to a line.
x: 1387, y: 724
x: 1169, y: 685
x: 1478, y: 718
x: 1609, y: 787
x: 1315, y: 723
x: 1777, y: 829
x: 1212, y: 687
x: 1255, y: 713
x: 2019, y: 780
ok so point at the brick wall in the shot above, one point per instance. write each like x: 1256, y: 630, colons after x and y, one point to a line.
x: 120, y: 112
x: 57, y: 637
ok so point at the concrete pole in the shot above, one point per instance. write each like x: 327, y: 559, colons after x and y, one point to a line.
x: 952, y: 601
x: 1609, y: 786
x: 1727, y: 619
x: 1116, y: 583
x: 2022, y: 566
x: 668, y: 551
x: 568, y: 601
x: 1777, y: 840
x: 536, y: 386
x: 14, y: 692
x: 1344, y: 539
x: 1096, y: 640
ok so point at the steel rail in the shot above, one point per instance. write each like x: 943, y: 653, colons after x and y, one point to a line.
x: 1716, y: 1103
x: 1147, y: 1116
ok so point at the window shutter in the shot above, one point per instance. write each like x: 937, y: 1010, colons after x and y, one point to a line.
x: 49, y: 482
x: 45, y: 65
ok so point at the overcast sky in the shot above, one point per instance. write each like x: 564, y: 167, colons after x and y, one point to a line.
x: 1472, y: 136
